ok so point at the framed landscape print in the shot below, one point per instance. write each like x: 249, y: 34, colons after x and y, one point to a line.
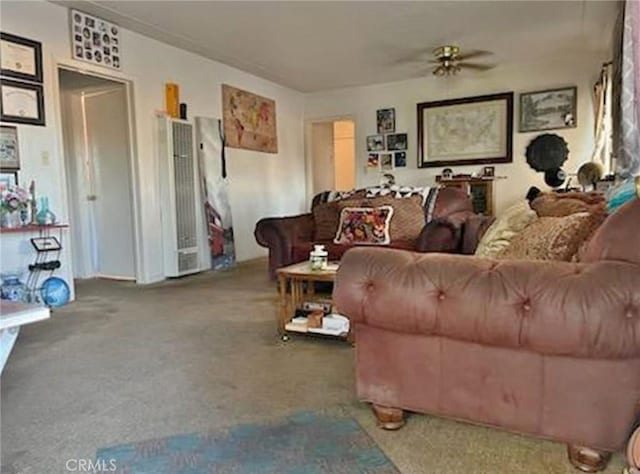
x: 548, y: 110
x: 9, y: 150
x: 21, y: 58
x: 386, y: 120
x: 466, y: 131
x: 21, y: 102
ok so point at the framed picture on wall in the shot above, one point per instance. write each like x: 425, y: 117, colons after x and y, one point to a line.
x: 21, y: 58
x: 386, y: 120
x: 386, y: 161
x: 95, y: 40
x: 373, y: 160
x: 549, y: 110
x: 397, y: 141
x: 9, y: 150
x: 21, y: 102
x: 8, y: 179
x: 375, y: 143
x: 466, y: 131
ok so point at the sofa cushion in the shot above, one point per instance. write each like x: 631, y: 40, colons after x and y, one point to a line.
x: 499, y: 235
x: 364, y: 225
x: 552, y: 238
x: 325, y: 220
x: 560, y: 205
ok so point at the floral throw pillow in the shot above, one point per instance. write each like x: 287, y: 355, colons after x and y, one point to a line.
x: 364, y: 226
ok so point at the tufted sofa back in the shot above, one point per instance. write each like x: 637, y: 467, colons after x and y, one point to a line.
x: 618, y: 238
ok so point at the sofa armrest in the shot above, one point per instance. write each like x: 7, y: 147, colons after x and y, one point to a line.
x: 440, y: 235
x: 473, y: 228
x: 553, y: 308
x: 279, y: 234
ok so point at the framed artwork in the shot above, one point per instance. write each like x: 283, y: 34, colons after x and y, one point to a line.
x: 21, y: 58
x: 95, y: 40
x: 397, y: 141
x: 373, y: 160
x: 375, y: 143
x: 21, y: 102
x: 549, y: 110
x: 466, y: 131
x: 489, y: 171
x: 8, y: 179
x: 249, y: 120
x: 9, y: 150
x: 386, y: 120
x: 400, y: 159
x: 386, y: 161
x: 46, y: 244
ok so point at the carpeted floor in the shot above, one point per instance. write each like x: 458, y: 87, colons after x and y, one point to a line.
x: 127, y: 363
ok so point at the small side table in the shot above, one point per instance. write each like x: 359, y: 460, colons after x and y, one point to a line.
x: 12, y: 316
x: 295, y: 286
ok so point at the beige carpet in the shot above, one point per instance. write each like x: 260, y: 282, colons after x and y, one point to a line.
x: 127, y: 363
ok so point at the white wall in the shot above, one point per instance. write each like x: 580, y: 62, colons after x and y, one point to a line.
x: 260, y: 184
x: 362, y: 103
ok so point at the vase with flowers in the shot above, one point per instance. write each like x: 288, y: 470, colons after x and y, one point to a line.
x: 14, y: 201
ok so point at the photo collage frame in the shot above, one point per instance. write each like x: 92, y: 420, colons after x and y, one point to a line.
x: 95, y: 40
x: 387, y: 150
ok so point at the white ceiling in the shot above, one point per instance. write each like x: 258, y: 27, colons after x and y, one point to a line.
x: 312, y: 46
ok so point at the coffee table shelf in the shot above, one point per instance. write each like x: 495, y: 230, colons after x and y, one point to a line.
x: 295, y: 286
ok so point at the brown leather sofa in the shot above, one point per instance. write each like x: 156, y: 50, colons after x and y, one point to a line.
x: 550, y: 349
x: 290, y: 239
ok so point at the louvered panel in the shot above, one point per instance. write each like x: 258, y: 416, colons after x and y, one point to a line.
x: 187, y: 261
x: 184, y: 186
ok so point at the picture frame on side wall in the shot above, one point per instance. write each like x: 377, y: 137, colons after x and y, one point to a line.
x: 9, y: 148
x: 375, y: 143
x: 21, y: 102
x: 21, y: 58
x: 8, y: 179
x: 551, y: 109
x: 386, y: 120
x: 466, y: 131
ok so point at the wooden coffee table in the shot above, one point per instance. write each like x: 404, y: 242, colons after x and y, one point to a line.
x: 295, y: 286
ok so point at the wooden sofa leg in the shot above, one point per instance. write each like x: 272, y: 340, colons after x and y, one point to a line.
x: 587, y: 459
x: 388, y: 418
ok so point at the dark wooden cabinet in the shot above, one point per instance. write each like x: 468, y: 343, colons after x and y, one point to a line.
x: 479, y: 188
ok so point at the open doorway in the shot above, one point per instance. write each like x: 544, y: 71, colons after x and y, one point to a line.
x: 95, y: 125
x: 333, y: 155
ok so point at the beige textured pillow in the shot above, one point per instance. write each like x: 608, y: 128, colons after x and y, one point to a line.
x: 325, y: 219
x: 499, y: 235
x: 552, y: 238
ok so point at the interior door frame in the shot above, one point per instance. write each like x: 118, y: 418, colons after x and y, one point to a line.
x: 133, y: 153
x: 308, y: 151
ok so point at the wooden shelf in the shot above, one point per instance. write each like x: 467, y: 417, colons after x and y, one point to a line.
x: 31, y: 228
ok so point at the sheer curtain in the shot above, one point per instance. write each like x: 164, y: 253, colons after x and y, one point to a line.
x: 628, y: 62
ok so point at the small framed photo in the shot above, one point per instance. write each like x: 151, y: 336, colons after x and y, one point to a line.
x: 386, y: 120
x: 21, y: 102
x: 375, y: 143
x: 46, y: 244
x: 8, y: 179
x: 400, y: 159
x: 9, y: 150
x: 21, y: 58
x: 386, y: 161
x: 489, y: 171
x: 549, y: 110
x: 373, y: 160
x: 92, y: 39
x: 397, y: 141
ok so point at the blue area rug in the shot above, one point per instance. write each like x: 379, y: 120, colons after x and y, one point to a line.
x: 305, y: 443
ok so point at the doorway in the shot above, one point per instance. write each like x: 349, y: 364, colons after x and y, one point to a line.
x: 95, y: 126
x: 333, y: 155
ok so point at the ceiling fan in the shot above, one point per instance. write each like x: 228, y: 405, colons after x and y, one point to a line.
x: 450, y: 61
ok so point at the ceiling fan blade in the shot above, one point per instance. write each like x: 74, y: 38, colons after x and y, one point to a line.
x: 473, y: 54
x: 477, y: 67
